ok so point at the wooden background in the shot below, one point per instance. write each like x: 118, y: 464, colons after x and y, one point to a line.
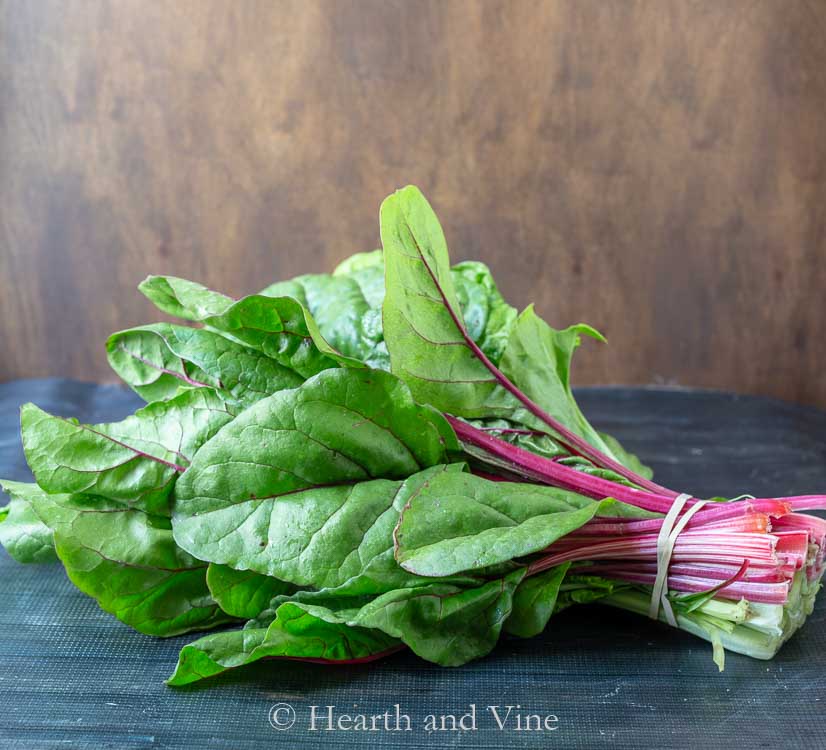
x: 657, y: 169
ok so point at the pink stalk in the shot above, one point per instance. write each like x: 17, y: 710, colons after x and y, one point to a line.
x: 770, y: 593
x: 546, y: 471
x: 816, y: 530
x: 730, y: 551
x: 757, y: 522
x: 806, y: 502
x: 549, y: 472
x: 814, y: 525
x: 792, y: 546
x: 711, y: 572
x: 747, y: 548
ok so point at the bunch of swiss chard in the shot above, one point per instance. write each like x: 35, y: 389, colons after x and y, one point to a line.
x: 386, y: 457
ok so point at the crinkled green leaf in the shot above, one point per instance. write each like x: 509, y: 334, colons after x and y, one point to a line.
x: 25, y: 537
x: 488, y: 318
x: 128, y: 561
x: 535, y: 601
x: 286, y: 490
x: 135, y: 461
x: 243, y: 593
x: 442, y: 622
x: 280, y: 327
x: 295, y: 634
x: 535, y: 441
x: 337, y: 540
x: 158, y: 360
x: 461, y: 522
x: 346, y: 308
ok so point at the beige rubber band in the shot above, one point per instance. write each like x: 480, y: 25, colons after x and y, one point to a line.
x: 666, y: 540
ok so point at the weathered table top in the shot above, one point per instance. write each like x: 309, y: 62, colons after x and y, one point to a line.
x: 72, y: 676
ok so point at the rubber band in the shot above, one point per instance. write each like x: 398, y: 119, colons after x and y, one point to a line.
x: 666, y: 539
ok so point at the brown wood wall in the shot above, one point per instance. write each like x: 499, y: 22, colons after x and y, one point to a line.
x: 657, y: 169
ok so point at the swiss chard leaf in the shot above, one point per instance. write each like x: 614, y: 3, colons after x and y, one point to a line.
x: 280, y: 327
x: 294, y: 634
x: 488, y: 318
x: 461, y: 522
x: 361, y: 262
x: 291, y: 488
x: 432, y: 350
x: 135, y: 461
x: 159, y: 360
x: 347, y: 309
x: 422, y: 325
x: 537, y: 359
x: 347, y: 306
x: 243, y: 593
x: 25, y: 537
x: 535, y: 441
x: 128, y: 561
x: 443, y: 622
x: 535, y: 601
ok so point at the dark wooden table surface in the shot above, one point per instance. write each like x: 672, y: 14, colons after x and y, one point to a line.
x: 73, y: 677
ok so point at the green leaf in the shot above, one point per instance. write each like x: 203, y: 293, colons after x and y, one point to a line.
x: 346, y: 308
x: 285, y: 489
x: 359, y: 262
x: 280, y: 327
x: 535, y: 601
x: 537, y: 359
x: 461, y: 522
x: 535, y: 441
x: 294, y: 634
x: 583, y: 589
x: 135, y: 461
x: 159, y: 360
x: 423, y: 328
x: 25, y: 537
x: 184, y: 299
x: 128, y: 561
x: 488, y: 318
x: 445, y: 624
x: 243, y: 593
x: 431, y: 346
x: 442, y: 622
